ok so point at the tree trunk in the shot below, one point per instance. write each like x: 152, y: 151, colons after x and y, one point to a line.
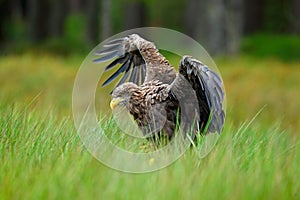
x: 216, y: 24
x: 295, y: 19
x: 75, y: 6
x: 216, y: 16
x: 233, y: 25
x: 191, y: 22
x: 253, y: 16
x: 209, y: 28
x: 134, y: 14
x: 57, y: 17
x: 92, y: 21
x: 38, y: 22
x: 4, y: 17
x: 105, y: 18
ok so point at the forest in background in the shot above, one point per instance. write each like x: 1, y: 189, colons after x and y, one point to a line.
x: 67, y: 26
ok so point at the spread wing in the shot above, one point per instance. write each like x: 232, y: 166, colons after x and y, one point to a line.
x: 208, y: 87
x: 135, y: 57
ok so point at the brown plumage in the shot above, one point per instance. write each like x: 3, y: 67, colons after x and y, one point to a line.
x: 155, y: 94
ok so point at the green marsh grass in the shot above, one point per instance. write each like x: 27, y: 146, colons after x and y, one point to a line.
x: 42, y: 157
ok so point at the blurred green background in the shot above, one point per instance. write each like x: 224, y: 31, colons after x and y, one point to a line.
x: 258, y: 27
x: 256, y: 46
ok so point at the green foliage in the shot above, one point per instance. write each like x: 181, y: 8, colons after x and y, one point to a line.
x: 42, y: 157
x: 167, y: 14
x: 73, y: 39
x: 277, y: 16
x: 74, y: 32
x: 16, y: 30
x: 284, y: 47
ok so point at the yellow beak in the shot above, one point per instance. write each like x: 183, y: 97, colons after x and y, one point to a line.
x: 114, y: 102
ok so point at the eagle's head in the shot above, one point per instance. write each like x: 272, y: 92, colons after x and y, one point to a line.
x: 122, y: 94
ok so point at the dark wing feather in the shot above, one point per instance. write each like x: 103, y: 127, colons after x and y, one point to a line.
x: 208, y: 87
x: 117, y: 61
x: 107, y: 57
x: 143, y: 73
x: 134, y: 76
x: 128, y: 55
x: 114, y: 42
x: 143, y: 61
x: 125, y: 67
x: 124, y: 78
x: 108, y: 50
